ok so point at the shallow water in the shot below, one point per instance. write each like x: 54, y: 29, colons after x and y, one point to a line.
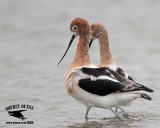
x: 33, y: 37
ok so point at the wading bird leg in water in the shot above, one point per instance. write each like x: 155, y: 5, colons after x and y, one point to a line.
x: 87, y: 110
x: 126, y: 115
x: 117, y: 114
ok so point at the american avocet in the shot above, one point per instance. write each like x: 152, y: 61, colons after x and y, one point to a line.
x: 100, y: 32
x: 90, y: 86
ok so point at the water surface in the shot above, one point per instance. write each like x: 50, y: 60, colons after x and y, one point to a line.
x: 33, y: 37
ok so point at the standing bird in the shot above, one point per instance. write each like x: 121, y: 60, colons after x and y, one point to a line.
x: 89, y: 84
x: 100, y: 32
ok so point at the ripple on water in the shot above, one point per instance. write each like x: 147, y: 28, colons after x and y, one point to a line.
x: 113, y: 122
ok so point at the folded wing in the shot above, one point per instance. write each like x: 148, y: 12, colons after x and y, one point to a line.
x: 102, y: 82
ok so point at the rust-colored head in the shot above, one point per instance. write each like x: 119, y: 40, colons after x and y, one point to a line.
x: 98, y: 30
x: 80, y: 26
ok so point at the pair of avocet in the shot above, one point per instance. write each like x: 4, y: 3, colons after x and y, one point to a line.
x: 104, y: 86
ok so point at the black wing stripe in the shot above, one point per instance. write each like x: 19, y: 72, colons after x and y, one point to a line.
x: 118, y: 76
x: 91, y: 71
x: 97, y: 72
x: 122, y: 73
x: 130, y: 78
x: 105, y: 71
x: 100, y: 87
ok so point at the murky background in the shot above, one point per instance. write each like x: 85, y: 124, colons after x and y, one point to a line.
x: 33, y: 37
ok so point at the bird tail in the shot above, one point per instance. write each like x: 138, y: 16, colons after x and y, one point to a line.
x: 145, y: 96
x: 142, y: 87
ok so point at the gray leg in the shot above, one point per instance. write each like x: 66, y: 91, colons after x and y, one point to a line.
x: 116, y: 109
x: 126, y: 115
x: 87, y: 110
x: 117, y: 114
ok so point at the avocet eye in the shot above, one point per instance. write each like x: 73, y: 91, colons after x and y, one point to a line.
x: 74, y: 28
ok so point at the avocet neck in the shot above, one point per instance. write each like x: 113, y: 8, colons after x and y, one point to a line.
x: 81, y: 57
x: 105, y: 54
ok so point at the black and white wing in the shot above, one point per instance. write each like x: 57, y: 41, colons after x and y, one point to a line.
x: 120, y: 71
x: 95, y: 82
x: 114, y: 74
x: 124, y: 74
x: 124, y: 80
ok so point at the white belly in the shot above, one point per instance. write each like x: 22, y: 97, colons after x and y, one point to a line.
x: 111, y: 100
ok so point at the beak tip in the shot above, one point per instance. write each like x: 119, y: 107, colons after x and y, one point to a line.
x: 73, y: 36
x: 90, y: 43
